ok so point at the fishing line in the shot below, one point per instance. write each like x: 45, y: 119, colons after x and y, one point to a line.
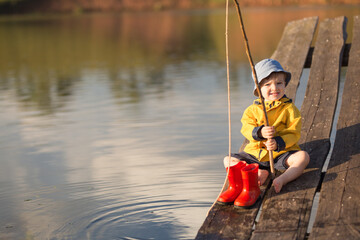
x: 228, y: 90
x: 228, y: 98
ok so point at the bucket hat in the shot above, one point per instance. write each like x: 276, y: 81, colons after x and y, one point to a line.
x: 267, y: 66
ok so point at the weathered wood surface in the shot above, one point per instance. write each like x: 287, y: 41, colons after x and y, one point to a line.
x: 292, y: 50
x: 286, y: 215
x: 345, y: 59
x: 338, y: 215
x: 225, y: 222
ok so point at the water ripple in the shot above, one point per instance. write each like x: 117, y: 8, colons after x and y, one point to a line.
x: 142, y: 218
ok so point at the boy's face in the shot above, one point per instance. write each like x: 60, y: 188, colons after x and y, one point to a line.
x: 273, y: 87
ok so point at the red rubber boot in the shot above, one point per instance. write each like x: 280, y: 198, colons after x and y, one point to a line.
x: 251, y: 190
x: 235, y: 184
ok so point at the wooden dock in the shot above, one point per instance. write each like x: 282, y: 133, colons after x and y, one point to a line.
x: 286, y: 215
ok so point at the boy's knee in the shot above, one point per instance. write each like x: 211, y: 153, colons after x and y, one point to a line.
x: 306, y: 157
x: 233, y: 161
x: 299, y: 158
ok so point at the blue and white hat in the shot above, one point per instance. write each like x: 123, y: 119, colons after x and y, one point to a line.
x: 267, y: 66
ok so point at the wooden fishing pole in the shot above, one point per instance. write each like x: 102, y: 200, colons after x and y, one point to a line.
x: 271, y: 158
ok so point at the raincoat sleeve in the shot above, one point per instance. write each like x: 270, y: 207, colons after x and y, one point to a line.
x: 250, y: 128
x: 290, y: 135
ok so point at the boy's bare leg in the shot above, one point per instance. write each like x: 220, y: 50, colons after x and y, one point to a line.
x: 262, y: 175
x: 233, y: 161
x: 297, y: 163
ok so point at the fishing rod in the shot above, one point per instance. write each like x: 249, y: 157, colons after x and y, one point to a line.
x: 271, y: 158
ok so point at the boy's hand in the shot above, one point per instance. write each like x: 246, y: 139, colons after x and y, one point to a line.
x: 268, y: 132
x: 270, y: 144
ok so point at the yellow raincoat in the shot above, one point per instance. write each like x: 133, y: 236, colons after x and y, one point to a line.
x: 286, y: 119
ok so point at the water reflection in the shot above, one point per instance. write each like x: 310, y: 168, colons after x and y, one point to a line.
x: 114, y: 126
x: 46, y: 58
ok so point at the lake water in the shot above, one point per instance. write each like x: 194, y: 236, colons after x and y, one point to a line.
x: 114, y: 126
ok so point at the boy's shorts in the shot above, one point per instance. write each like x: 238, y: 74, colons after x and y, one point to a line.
x: 279, y: 161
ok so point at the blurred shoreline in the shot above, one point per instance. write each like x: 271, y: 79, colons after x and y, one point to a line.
x: 80, y: 6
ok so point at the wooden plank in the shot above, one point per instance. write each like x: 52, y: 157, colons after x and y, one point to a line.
x: 225, y: 222
x: 345, y: 59
x: 338, y: 215
x: 287, y: 214
x: 293, y: 49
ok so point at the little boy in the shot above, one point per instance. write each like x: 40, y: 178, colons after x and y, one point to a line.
x: 282, y: 134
